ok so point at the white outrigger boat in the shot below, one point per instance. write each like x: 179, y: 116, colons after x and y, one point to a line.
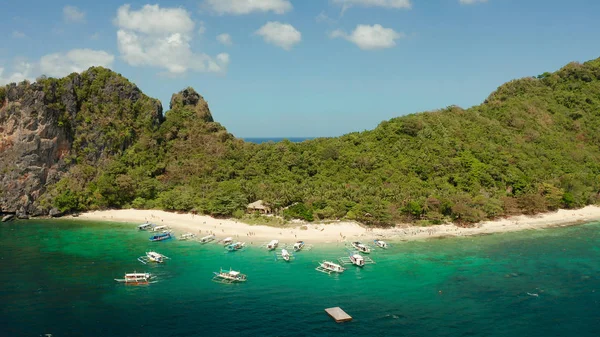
x: 298, y: 245
x: 135, y: 278
x: 207, y: 239
x: 152, y: 257
x: 356, y: 259
x: 227, y: 241
x: 361, y: 247
x: 328, y: 267
x: 273, y: 244
x: 285, y: 255
x: 187, y: 236
x: 380, y: 243
x: 161, y: 228
x: 229, y: 276
x: 146, y: 226
x: 236, y: 246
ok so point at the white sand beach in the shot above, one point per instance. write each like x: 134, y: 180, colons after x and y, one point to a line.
x: 338, y: 231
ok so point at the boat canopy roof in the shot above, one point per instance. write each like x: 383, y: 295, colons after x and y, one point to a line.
x: 273, y: 242
x: 234, y: 273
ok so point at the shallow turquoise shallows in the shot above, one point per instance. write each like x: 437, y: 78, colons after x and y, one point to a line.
x: 57, y: 277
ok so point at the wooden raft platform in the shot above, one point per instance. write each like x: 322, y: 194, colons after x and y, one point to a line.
x: 338, y: 314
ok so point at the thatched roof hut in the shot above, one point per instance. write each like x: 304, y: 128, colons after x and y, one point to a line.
x: 258, y: 206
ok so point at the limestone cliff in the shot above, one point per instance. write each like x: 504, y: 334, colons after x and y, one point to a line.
x: 188, y: 99
x: 49, y: 126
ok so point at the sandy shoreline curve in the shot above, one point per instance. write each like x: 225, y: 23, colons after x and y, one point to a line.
x: 342, y: 231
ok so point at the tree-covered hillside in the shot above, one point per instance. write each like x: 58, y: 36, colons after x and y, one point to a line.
x: 58, y: 134
x: 532, y: 146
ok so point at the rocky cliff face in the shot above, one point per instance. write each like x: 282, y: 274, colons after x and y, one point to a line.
x: 50, y: 126
x: 188, y: 99
x: 32, y: 148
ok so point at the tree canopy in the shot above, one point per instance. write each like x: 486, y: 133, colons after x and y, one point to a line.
x: 532, y: 146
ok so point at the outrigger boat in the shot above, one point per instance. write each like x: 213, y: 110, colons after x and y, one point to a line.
x: 229, y: 276
x: 285, y: 255
x: 187, y: 236
x: 356, y: 259
x: 152, y: 257
x: 160, y: 237
x: 361, y: 247
x: 146, y: 226
x: 207, y: 239
x: 135, y: 278
x: 298, y: 245
x: 380, y: 243
x: 330, y: 267
x: 273, y: 244
x: 227, y: 241
x: 236, y: 246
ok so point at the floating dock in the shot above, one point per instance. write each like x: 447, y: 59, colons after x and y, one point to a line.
x: 338, y: 314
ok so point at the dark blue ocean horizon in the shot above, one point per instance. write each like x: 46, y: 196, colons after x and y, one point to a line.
x: 260, y: 140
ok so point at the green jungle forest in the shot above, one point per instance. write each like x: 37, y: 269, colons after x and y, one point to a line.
x: 532, y: 146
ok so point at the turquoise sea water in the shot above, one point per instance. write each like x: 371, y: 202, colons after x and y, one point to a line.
x: 57, y: 277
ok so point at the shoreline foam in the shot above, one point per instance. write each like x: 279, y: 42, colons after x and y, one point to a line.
x: 342, y: 231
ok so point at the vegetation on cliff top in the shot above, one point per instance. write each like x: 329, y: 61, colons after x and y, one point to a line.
x: 107, y: 114
x: 532, y: 146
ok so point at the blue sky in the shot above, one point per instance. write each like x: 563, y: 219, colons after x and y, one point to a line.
x: 302, y: 67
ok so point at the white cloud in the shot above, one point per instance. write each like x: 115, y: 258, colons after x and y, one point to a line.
x: 161, y: 37
x: 225, y: 39
x: 152, y: 19
x: 22, y: 71
x: 76, y: 60
x: 240, y: 7
x: 57, y: 65
x: 18, y: 35
x: 73, y: 14
x: 397, y: 4
x: 280, y: 34
x: 370, y: 37
x: 471, y: 2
